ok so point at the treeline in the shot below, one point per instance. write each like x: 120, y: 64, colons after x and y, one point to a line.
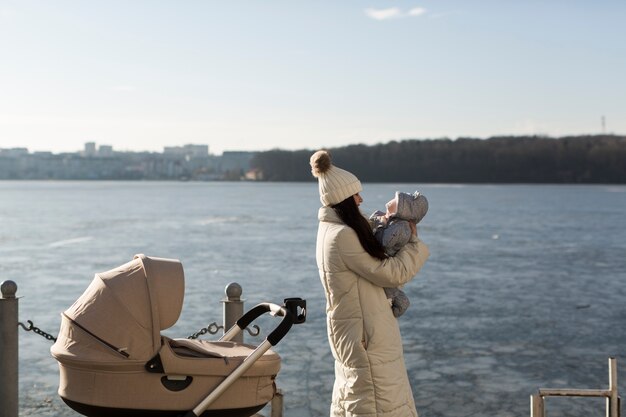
x: 518, y: 159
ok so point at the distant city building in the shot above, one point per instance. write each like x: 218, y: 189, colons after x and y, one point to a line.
x: 189, y: 162
x: 90, y: 149
x: 254, y: 175
x: 13, y: 152
x: 105, y: 150
x: 236, y: 161
x: 190, y: 151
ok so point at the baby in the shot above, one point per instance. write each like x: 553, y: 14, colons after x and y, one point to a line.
x: 392, y: 230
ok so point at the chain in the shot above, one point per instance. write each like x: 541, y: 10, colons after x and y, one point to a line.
x: 32, y: 328
x: 211, y: 328
x: 214, y: 328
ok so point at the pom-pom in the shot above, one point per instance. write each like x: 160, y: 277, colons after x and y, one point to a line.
x: 320, y: 163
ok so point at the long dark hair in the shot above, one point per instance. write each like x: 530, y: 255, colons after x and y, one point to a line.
x: 349, y: 212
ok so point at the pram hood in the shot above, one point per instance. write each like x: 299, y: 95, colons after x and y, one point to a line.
x: 120, y: 315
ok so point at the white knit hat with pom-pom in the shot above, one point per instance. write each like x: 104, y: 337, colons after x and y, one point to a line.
x: 335, y: 184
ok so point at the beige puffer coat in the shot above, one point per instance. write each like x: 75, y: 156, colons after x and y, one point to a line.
x: 364, y: 337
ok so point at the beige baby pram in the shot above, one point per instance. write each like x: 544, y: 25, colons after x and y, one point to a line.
x: 114, y: 361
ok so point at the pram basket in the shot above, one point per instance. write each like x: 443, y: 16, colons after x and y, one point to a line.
x: 113, y: 360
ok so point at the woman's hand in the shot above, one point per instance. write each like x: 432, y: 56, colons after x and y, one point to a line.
x: 413, y: 227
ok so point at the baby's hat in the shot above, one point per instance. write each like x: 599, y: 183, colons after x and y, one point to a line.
x: 335, y: 184
x: 411, y: 207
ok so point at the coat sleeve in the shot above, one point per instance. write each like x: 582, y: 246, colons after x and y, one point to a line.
x: 390, y: 272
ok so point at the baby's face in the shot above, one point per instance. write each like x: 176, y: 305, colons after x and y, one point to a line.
x: 392, y: 207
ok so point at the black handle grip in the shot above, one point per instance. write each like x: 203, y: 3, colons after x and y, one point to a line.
x: 289, y: 312
x: 281, y: 330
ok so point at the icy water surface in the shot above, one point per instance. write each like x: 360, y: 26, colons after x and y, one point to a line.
x: 525, y: 287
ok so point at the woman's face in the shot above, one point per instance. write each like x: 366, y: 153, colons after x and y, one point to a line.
x: 358, y: 199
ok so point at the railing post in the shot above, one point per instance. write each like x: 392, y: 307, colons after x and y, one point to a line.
x: 612, y: 402
x: 536, y: 406
x: 8, y: 350
x: 233, y: 308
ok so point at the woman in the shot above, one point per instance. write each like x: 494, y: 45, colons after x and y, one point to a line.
x: 364, y: 337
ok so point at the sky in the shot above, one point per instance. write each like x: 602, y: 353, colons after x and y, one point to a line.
x: 293, y: 74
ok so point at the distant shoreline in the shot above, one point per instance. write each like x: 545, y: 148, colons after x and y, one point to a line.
x: 598, y: 159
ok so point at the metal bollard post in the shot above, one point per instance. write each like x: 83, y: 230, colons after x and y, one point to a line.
x: 277, y: 404
x: 233, y: 308
x: 8, y: 350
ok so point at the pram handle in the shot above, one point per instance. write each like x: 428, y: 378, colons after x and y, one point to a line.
x: 293, y: 312
x: 289, y: 312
